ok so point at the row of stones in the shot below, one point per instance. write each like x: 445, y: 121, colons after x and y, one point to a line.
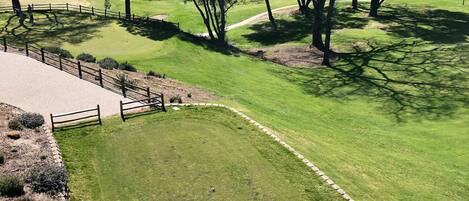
x: 56, y: 155
x: 269, y: 132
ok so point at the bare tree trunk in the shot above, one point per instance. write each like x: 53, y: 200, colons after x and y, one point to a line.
x: 328, y: 26
x: 317, y: 29
x: 355, y: 4
x: 127, y: 9
x: 374, y: 8
x: 16, y: 6
x: 205, y: 19
x: 269, y: 11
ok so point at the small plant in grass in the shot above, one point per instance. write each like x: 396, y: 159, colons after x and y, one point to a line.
x: 11, y: 186
x: 48, y: 179
x: 155, y: 74
x: 128, y: 82
x: 108, y: 63
x: 128, y: 67
x: 31, y: 120
x: 189, y: 95
x: 59, y: 51
x: 15, y: 124
x: 86, y: 57
x: 175, y: 99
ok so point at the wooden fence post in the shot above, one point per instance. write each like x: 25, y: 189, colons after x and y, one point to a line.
x: 4, y: 44
x: 79, y: 69
x: 52, y: 122
x: 148, y: 94
x: 123, y: 88
x: 101, y: 78
x: 42, y: 55
x: 133, y: 17
x: 99, y: 116
x: 105, y: 12
x: 119, y: 15
x: 32, y: 7
x: 92, y: 10
x: 60, y: 62
x: 66, y: 6
x: 26, y: 48
x: 80, y: 8
x: 122, y: 111
x: 162, y: 102
x: 50, y: 7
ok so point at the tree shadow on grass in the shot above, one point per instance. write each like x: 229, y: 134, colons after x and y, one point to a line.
x: 409, y: 80
x: 54, y: 27
x: 300, y: 27
x: 155, y: 31
x: 433, y: 25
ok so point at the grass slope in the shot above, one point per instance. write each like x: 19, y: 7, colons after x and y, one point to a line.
x: 180, y: 156
x: 353, y: 134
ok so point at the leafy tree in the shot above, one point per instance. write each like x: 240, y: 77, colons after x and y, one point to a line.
x: 304, y: 5
x: 269, y: 12
x: 328, y: 24
x: 355, y: 4
x: 16, y: 6
x: 213, y: 13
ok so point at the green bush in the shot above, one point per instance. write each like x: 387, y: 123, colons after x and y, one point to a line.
x: 128, y: 82
x: 128, y: 67
x: 86, y: 57
x: 59, y: 51
x: 31, y: 120
x: 175, y: 99
x: 108, y: 63
x: 155, y: 74
x: 15, y: 124
x: 11, y: 186
x: 48, y: 179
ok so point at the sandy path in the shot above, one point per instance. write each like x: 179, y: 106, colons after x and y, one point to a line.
x: 37, y: 87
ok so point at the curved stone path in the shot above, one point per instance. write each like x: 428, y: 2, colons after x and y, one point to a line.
x: 37, y: 87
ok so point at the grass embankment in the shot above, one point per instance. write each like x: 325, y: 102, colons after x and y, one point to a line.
x: 181, y: 156
x: 353, y: 134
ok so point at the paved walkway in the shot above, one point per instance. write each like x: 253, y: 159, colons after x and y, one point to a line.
x: 37, y: 87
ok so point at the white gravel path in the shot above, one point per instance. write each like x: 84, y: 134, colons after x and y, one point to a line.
x: 37, y: 87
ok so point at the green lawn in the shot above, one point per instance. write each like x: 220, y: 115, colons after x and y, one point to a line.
x: 180, y: 156
x: 376, y: 144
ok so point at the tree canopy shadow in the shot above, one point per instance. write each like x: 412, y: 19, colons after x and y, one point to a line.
x: 433, y: 25
x: 409, y: 80
x: 155, y: 31
x: 54, y: 27
x: 300, y: 27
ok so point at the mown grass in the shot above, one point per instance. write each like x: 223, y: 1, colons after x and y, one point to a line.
x: 181, y: 156
x: 358, y: 134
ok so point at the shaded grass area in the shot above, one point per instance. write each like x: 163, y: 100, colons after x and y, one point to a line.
x: 353, y: 133
x: 181, y: 156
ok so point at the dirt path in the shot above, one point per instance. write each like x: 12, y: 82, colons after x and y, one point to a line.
x: 257, y: 18
x: 37, y: 87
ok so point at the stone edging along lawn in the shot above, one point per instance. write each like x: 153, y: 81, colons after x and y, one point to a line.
x: 270, y: 133
x: 59, y: 161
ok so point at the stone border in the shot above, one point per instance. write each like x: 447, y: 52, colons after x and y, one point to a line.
x: 270, y: 133
x: 56, y: 157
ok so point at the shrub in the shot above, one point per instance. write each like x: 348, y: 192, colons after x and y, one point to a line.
x: 59, y: 51
x: 108, y: 63
x: 175, y: 99
x: 15, y: 124
x: 155, y: 74
x: 2, y: 159
x: 128, y: 67
x: 48, y: 179
x: 11, y: 186
x: 31, y: 120
x: 86, y: 57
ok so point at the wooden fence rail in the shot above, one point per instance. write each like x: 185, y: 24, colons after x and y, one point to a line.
x: 87, y: 116
x: 154, y: 103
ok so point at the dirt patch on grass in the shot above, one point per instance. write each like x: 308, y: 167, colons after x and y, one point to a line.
x: 21, y: 154
x: 291, y: 55
x: 160, y: 17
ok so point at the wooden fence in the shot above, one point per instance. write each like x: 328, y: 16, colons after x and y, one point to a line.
x: 153, y: 103
x: 89, y: 10
x: 88, y: 116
